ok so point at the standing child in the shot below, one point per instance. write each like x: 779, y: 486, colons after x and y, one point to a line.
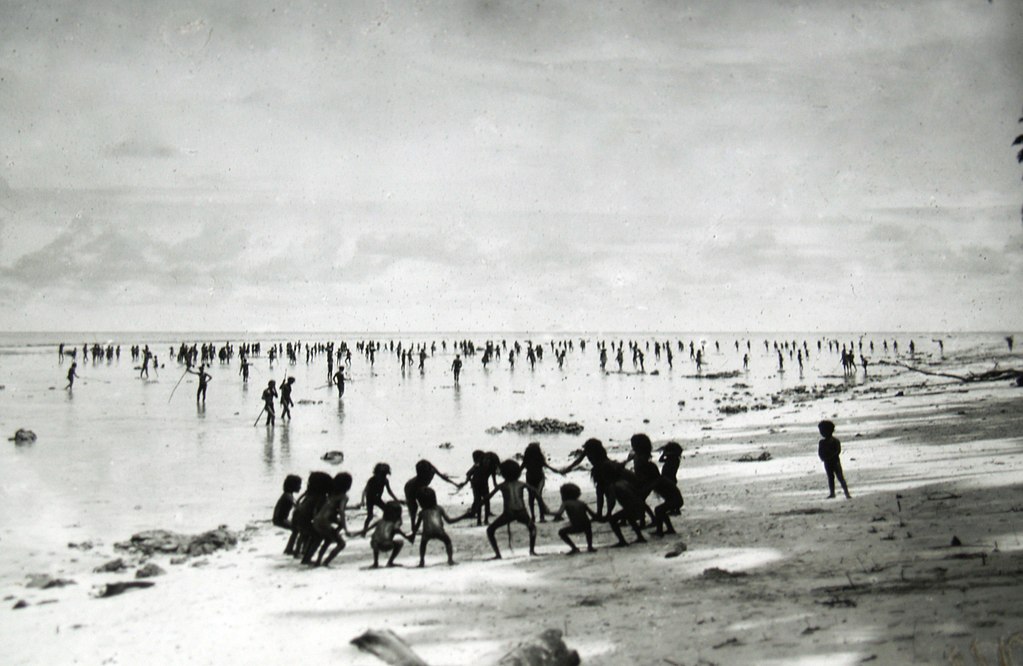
x: 432, y: 519
x: 671, y: 459
x: 383, y: 540
x: 373, y: 493
x: 511, y: 490
x: 302, y: 532
x: 534, y: 462
x: 425, y: 472
x: 329, y: 522
x: 626, y: 492
x: 828, y: 450
x: 282, y: 510
x: 484, y: 468
x: 580, y: 518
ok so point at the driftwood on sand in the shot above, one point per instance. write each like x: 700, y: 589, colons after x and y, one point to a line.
x: 995, y: 375
x: 546, y: 649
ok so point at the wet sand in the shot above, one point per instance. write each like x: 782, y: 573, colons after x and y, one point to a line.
x: 772, y: 573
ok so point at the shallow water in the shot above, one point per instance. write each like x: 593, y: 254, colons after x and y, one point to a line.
x: 118, y: 454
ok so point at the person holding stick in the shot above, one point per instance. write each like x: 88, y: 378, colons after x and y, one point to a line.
x: 269, y: 395
x: 204, y: 380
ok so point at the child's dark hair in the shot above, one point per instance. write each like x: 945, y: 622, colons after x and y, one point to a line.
x: 533, y: 454
x: 425, y: 469
x: 292, y: 483
x: 641, y: 444
x: 381, y: 469
x: 671, y: 449
x: 318, y: 483
x: 570, y: 491
x: 510, y: 470
x: 477, y: 456
x: 826, y: 428
x: 392, y: 511
x: 341, y: 483
x: 427, y: 498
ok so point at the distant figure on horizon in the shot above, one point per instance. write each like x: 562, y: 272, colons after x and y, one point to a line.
x: 456, y: 366
x: 269, y: 394
x: 204, y: 380
x: 286, y: 401
x: 339, y: 380
x: 144, y: 370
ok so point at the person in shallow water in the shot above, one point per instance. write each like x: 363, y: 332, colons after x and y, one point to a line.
x: 339, y: 380
x: 204, y: 381
x: 269, y: 394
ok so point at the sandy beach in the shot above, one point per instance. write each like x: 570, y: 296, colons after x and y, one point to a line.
x: 772, y: 572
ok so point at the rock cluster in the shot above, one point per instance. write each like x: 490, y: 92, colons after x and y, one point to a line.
x: 162, y: 541
x: 545, y: 426
x: 22, y: 436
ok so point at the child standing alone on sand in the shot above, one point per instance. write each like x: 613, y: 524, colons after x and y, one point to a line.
x: 828, y: 450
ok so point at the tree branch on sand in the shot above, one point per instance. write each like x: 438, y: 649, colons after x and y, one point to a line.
x: 994, y: 375
x: 546, y: 649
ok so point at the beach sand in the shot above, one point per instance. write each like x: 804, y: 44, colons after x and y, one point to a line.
x: 773, y: 573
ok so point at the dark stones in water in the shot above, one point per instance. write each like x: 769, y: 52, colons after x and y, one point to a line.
x: 22, y: 436
x: 749, y: 457
x: 546, y: 426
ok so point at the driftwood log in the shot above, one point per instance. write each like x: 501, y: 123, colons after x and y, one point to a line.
x: 546, y: 649
x: 995, y: 375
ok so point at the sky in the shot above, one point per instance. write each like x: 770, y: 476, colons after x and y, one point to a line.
x: 757, y: 165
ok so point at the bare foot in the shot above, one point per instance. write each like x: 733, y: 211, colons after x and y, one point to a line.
x: 574, y: 551
x: 452, y: 563
x: 496, y: 557
x: 621, y: 544
x: 591, y: 549
x: 421, y: 565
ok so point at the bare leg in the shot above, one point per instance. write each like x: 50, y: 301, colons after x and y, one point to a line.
x: 563, y: 533
x: 447, y: 547
x: 532, y: 538
x: 337, y: 549
x: 499, y: 522
x: 422, y: 551
x: 394, y: 553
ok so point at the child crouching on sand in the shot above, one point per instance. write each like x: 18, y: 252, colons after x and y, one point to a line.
x: 432, y: 519
x: 579, y: 518
x: 828, y: 450
x: 384, y: 530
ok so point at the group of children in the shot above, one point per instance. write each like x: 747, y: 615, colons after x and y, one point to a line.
x: 317, y: 519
